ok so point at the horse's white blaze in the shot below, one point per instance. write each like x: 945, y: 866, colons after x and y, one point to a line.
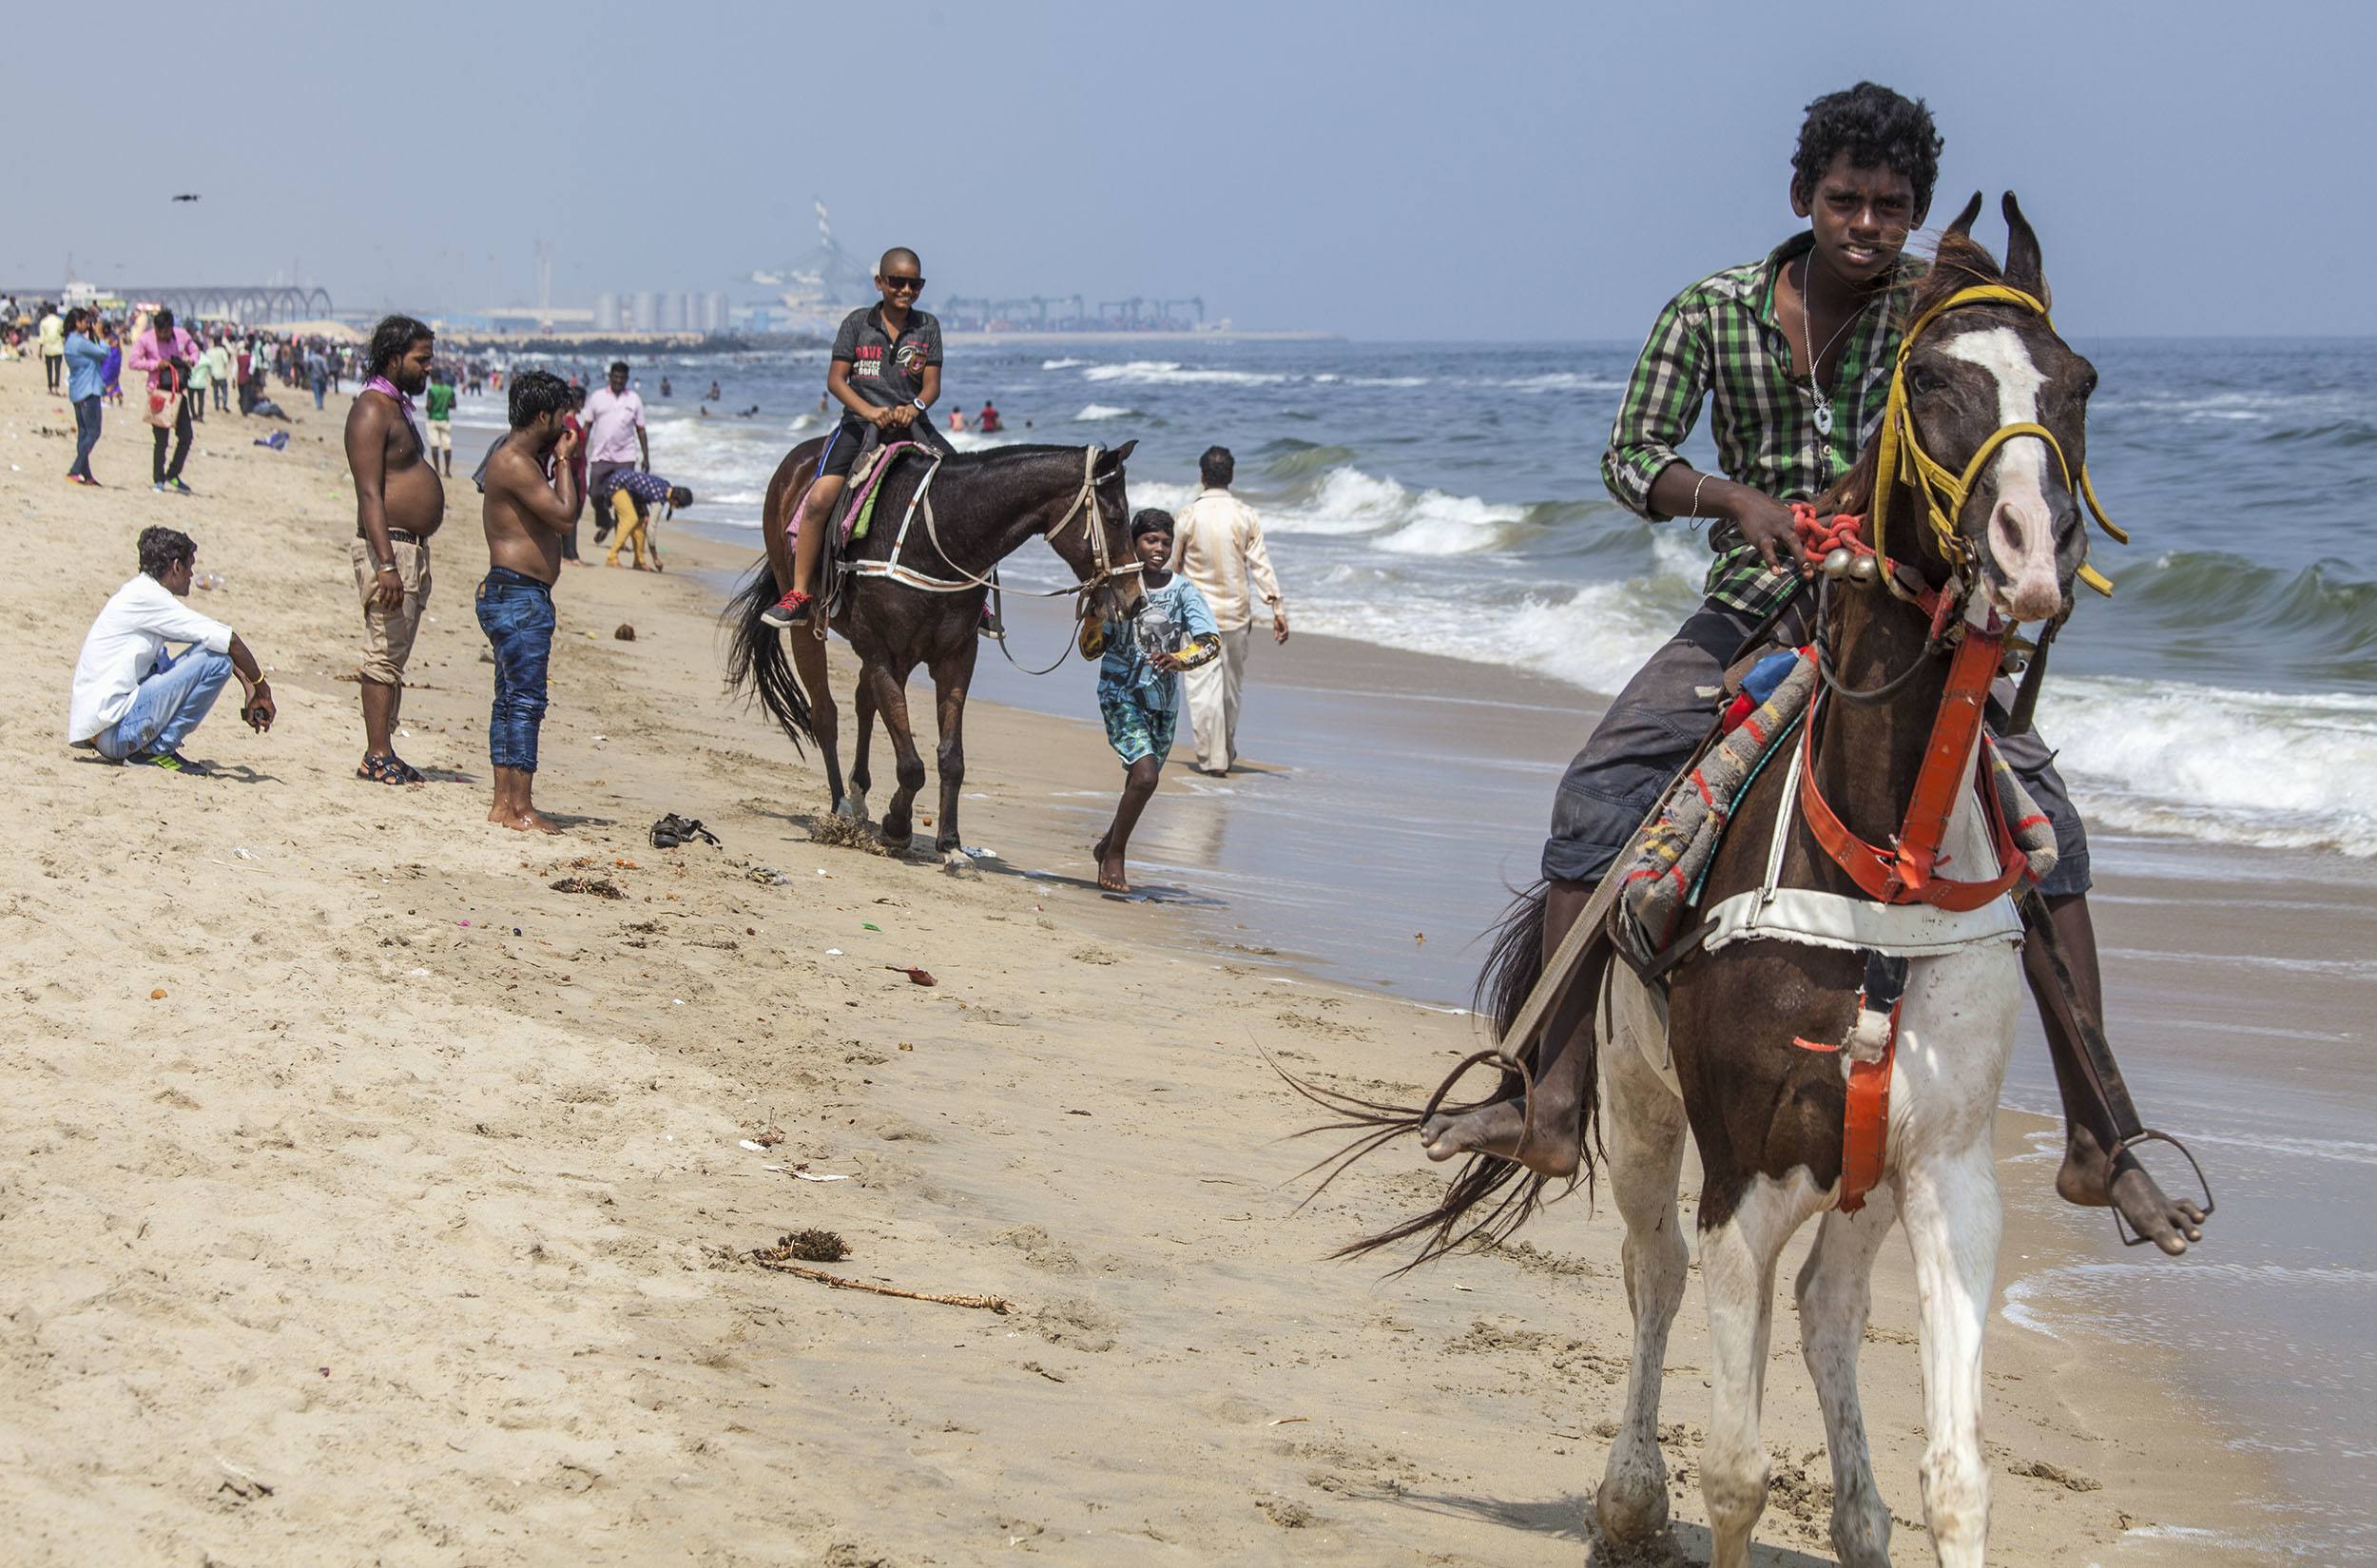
x: 2022, y: 527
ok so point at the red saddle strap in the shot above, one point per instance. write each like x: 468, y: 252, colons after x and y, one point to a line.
x: 1907, y: 874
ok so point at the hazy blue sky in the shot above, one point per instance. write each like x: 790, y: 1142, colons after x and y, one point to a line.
x: 1515, y: 171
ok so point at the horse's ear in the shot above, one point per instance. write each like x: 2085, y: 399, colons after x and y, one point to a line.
x: 2022, y: 266
x: 1962, y: 225
x: 1116, y: 458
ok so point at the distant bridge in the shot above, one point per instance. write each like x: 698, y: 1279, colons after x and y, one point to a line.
x: 261, y: 303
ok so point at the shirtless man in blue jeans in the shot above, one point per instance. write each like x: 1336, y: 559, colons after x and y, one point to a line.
x: 526, y: 516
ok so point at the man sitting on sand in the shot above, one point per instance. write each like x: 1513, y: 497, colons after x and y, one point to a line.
x: 133, y: 702
x: 1139, y: 682
x: 633, y: 495
x: 525, y: 514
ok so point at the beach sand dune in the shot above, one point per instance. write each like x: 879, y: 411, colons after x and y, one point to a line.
x: 365, y: 1198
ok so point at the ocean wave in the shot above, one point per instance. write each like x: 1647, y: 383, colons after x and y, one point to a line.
x: 1562, y: 381
x: 1289, y: 458
x: 2275, y: 769
x: 1094, y: 411
x: 1172, y: 373
x: 1384, y: 380
x: 1407, y: 522
x: 1062, y: 365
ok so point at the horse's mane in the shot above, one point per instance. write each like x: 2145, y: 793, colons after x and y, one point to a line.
x: 992, y: 458
x: 1959, y: 261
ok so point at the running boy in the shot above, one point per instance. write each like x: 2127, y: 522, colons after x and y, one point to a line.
x: 1139, y: 681
x: 886, y: 371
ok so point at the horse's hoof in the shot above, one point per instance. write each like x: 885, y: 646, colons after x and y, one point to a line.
x: 852, y: 809
x: 960, y: 864
x: 896, y: 844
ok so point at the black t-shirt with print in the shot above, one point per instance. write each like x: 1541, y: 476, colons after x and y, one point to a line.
x: 884, y: 373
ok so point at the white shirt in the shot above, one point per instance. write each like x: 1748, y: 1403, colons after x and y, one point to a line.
x: 1218, y: 545
x: 132, y: 629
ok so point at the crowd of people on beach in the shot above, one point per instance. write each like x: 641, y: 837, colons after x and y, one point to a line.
x: 222, y: 367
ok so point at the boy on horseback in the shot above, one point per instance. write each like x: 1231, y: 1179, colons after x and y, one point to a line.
x: 1796, y: 350
x: 886, y: 372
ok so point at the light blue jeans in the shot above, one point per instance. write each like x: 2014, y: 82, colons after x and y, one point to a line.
x: 171, y: 702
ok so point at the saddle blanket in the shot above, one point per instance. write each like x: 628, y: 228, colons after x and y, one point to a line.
x: 1663, y: 869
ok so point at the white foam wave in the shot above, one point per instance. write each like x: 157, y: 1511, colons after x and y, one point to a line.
x: 1409, y: 522
x: 1172, y: 373
x: 1094, y: 411
x: 1383, y: 381
x: 2280, y: 770
x: 1062, y: 365
x: 1564, y: 381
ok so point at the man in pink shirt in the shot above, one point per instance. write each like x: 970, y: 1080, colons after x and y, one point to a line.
x: 165, y: 345
x: 614, y: 437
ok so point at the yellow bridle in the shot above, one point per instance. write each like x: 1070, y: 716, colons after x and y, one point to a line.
x: 1904, y: 461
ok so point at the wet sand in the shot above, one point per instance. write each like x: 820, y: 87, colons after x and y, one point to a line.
x: 412, y: 1222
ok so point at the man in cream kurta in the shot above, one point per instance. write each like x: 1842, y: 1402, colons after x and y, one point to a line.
x: 1220, y: 548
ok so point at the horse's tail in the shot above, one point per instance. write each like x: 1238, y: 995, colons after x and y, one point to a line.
x: 757, y: 663
x: 1508, y: 1192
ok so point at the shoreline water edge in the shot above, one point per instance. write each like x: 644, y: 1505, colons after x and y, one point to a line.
x: 414, y: 1214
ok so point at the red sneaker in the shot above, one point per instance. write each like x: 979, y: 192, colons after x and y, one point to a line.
x: 792, y: 609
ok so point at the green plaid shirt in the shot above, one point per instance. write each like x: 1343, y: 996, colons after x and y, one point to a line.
x: 1722, y: 336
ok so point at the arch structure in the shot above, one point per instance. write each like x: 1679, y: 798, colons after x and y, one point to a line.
x: 257, y: 304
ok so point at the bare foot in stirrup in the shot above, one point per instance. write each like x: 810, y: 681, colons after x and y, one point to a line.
x: 1500, y: 1130
x: 2091, y: 1181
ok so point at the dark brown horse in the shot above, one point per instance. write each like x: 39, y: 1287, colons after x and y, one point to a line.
x: 921, y: 602
x: 1996, y: 396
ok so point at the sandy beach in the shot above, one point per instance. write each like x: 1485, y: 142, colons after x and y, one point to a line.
x: 366, y: 1198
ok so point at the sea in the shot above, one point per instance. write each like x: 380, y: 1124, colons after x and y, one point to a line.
x: 2217, y: 718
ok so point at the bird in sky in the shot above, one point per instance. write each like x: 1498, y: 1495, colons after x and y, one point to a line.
x: 185, y: 196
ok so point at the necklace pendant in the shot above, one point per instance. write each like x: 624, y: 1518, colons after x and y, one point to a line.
x: 1824, y: 418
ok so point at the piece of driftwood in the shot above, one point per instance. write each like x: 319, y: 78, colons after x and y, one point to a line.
x: 765, y: 1258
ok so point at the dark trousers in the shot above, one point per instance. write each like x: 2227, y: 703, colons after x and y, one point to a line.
x: 161, y: 471
x: 86, y: 434
x: 53, y: 364
x: 516, y: 612
x: 223, y: 395
x: 1652, y: 725
x: 595, y: 474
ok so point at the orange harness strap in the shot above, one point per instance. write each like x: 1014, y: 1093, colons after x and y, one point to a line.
x: 1908, y: 872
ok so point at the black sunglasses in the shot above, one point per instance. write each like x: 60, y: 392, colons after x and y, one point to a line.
x: 895, y: 284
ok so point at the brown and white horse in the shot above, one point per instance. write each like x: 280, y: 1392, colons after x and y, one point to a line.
x: 1722, y: 1053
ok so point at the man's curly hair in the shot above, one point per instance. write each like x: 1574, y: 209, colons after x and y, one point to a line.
x: 1878, y: 129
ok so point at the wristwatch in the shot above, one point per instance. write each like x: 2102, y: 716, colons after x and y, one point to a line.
x: 919, y: 403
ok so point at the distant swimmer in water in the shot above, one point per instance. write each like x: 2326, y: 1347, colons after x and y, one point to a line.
x: 987, y: 421
x: 956, y: 419
x: 748, y: 411
x: 704, y: 411
x: 713, y: 395
x: 664, y: 386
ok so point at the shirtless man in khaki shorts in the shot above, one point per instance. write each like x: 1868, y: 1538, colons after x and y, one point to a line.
x: 398, y: 504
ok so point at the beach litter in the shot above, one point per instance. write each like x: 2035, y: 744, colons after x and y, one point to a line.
x: 815, y: 1246
x: 600, y: 888
x: 768, y: 876
x: 916, y: 976
x: 158, y: 995
x: 780, y: 1259
x: 626, y: 632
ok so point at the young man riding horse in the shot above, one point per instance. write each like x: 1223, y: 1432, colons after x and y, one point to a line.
x: 886, y: 373
x: 1796, y: 350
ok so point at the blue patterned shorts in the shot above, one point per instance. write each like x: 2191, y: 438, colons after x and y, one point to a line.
x: 1134, y: 731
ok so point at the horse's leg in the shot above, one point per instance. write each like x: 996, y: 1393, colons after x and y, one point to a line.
x: 1645, y: 1131
x: 861, y: 773
x: 950, y: 677
x: 1737, y: 1257
x: 808, y: 662
x: 889, y: 688
x: 1835, y: 1289
x: 1950, y: 1203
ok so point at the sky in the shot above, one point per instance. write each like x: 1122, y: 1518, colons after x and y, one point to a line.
x: 1528, y: 170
